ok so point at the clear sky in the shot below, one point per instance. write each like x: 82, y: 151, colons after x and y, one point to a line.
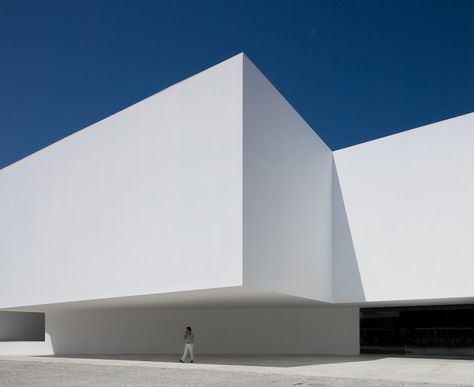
x: 355, y: 70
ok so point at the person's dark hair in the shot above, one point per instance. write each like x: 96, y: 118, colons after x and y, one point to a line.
x: 189, y: 329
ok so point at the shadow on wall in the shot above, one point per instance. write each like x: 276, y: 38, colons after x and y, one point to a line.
x: 263, y: 331
x: 347, y: 282
x: 117, y: 332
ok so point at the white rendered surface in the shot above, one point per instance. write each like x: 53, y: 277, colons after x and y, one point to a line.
x: 224, y: 331
x: 347, y: 284
x: 287, y: 196
x: 213, y: 204
x: 148, y: 200
x: 213, y: 195
x: 410, y: 211
x: 22, y: 348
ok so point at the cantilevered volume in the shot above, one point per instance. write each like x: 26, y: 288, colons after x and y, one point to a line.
x: 214, y: 202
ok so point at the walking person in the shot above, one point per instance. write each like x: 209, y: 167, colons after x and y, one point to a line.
x: 188, y: 345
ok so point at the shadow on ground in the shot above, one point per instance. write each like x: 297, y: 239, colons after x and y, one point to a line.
x: 284, y: 361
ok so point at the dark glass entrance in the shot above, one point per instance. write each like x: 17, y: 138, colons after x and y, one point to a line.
x: 426, y: 330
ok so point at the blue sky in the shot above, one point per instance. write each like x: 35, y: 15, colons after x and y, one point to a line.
x: 355, y: 70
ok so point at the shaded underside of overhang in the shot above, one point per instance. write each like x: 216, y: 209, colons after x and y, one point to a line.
x: 223, y: 298
x: 230, y: 297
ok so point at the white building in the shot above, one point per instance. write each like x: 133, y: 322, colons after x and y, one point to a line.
x: 213, y: 204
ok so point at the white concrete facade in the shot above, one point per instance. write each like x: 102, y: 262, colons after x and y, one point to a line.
x: 228, y: 331
x: 287, y: 199
x: 409, y: 205
x: 123, y: 207
x: 213, y: 203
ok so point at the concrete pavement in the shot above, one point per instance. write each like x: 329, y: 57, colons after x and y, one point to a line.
x: 362, y: 369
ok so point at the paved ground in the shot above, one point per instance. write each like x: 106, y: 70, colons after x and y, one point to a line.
x: 235, y: 371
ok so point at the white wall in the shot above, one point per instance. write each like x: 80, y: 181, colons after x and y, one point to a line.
x: 218, y: 331
x: 347, y: 283
x: 217, y: 182
x: 31, y: 348
x: 287, y: 196
x: 148, y: 200
x: 410, y: 211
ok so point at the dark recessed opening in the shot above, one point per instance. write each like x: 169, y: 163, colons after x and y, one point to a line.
x: 22, y: 326
x: 446, y: 330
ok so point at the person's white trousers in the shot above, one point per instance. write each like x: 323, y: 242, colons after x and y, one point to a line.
x: 188, y: 349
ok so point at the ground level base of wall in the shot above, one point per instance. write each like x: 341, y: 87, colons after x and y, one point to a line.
x: 217, y: 331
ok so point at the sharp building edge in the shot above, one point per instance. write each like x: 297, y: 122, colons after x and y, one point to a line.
x: 214, y: 204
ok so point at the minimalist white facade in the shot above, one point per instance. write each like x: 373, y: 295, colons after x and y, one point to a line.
x: 214, y: 204
x: 409, y: 204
